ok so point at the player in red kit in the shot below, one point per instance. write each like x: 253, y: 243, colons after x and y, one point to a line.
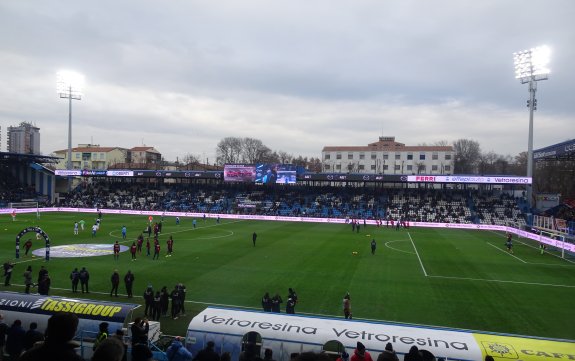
x: 116, y: 251
x: 170, y: 243
x: 133, y: 249
x: 156, y: 251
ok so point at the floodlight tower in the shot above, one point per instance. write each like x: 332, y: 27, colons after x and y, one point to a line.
x: 69, y: 85
x: 531, y: 66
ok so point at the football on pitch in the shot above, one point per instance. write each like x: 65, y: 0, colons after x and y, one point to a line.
x: 354, y: 253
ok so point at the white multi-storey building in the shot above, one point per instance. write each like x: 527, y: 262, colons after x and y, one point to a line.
x: 387, y: 156
x: 93, y: 156
x: 24, y: 139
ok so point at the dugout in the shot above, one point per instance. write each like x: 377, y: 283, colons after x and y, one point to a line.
x: 231, y: 329
x: 37, y: 308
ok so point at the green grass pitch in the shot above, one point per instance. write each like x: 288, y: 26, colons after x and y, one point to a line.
x: 443, y: 277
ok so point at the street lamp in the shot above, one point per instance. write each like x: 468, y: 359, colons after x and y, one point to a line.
x: 69, y: 85
x: 531, y: 67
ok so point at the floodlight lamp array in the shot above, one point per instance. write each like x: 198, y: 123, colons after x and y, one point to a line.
x: 70, y: 84
x: 532, y: 64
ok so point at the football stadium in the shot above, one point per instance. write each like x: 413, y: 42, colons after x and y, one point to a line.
x: 431, y: 259
x: 287, y: 180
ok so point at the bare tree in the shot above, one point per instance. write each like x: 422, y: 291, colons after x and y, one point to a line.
x: 190, y: 160
x: 284, y: 157
x: 467, y: 155
x: 252, y: 150
x: 229, y: 150
x: 485, y: 162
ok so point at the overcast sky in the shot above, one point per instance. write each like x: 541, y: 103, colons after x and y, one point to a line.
x: 297, y: 74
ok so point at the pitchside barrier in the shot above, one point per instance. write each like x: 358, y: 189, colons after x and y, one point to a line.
x: 560, y: 244
x: 232, y: 330
x: 37, y: 308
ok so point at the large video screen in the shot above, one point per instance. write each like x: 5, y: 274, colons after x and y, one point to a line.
x: 239, y: 173
x: 275, y: 173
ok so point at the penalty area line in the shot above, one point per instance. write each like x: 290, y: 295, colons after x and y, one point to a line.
x: 512, y: 255
x: 417, y: 254
x: 503, y: 281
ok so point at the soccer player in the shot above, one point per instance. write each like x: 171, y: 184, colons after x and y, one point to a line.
x: 116, y: 251
x: 27, y: 246
x: 542, y: 247
x: 82, y: 224
x: 133, y: 249
x: 254, y: 237
x: 156, y: 251
x: 140, y: 242
x: 170, y: 243
x: 13, y: 216
x: 148, y: 247
x: 373, y: 245
x: 75, y: 228
x: 194, y: 223
x: 509, y: 243
x: 124, y: 231
x: 177, y: 221
x: 94, y: 230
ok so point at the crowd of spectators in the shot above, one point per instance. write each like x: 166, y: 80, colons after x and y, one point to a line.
x: 411, y: 204
x: 12, y: 191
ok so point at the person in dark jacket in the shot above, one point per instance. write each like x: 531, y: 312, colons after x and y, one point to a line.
x: 267, y: 302
x: 110, y: 349
x: 149, y: 301
x: 157, y: 306
x: 413, y: 354
x: 28, y: 279
x: 3, y: 331
x: 140, y: 329
x: 177, y: 351
x: 129, y: 282
x: 164, y: 300
x: 208, y: 354
x: 290, y: 306
x: 84, y: 279
x: 388, y: 354
x: 102, y: 334
x: 58, y: 344
x: 44, y: 285
x: 182, y: 288
x: 276, y: 302
x: 115, y: 280
x: 75, y: 278
x: 32, y: 336
x: 15, y: 340
x: 175, y: 296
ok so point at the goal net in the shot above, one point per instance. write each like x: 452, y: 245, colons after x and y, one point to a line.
x: 23, y: 205
x: 552, y: 228
x: 26, y: 207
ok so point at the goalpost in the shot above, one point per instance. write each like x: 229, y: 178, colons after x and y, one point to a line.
x: 553, y: 228
x: 29, y: 205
